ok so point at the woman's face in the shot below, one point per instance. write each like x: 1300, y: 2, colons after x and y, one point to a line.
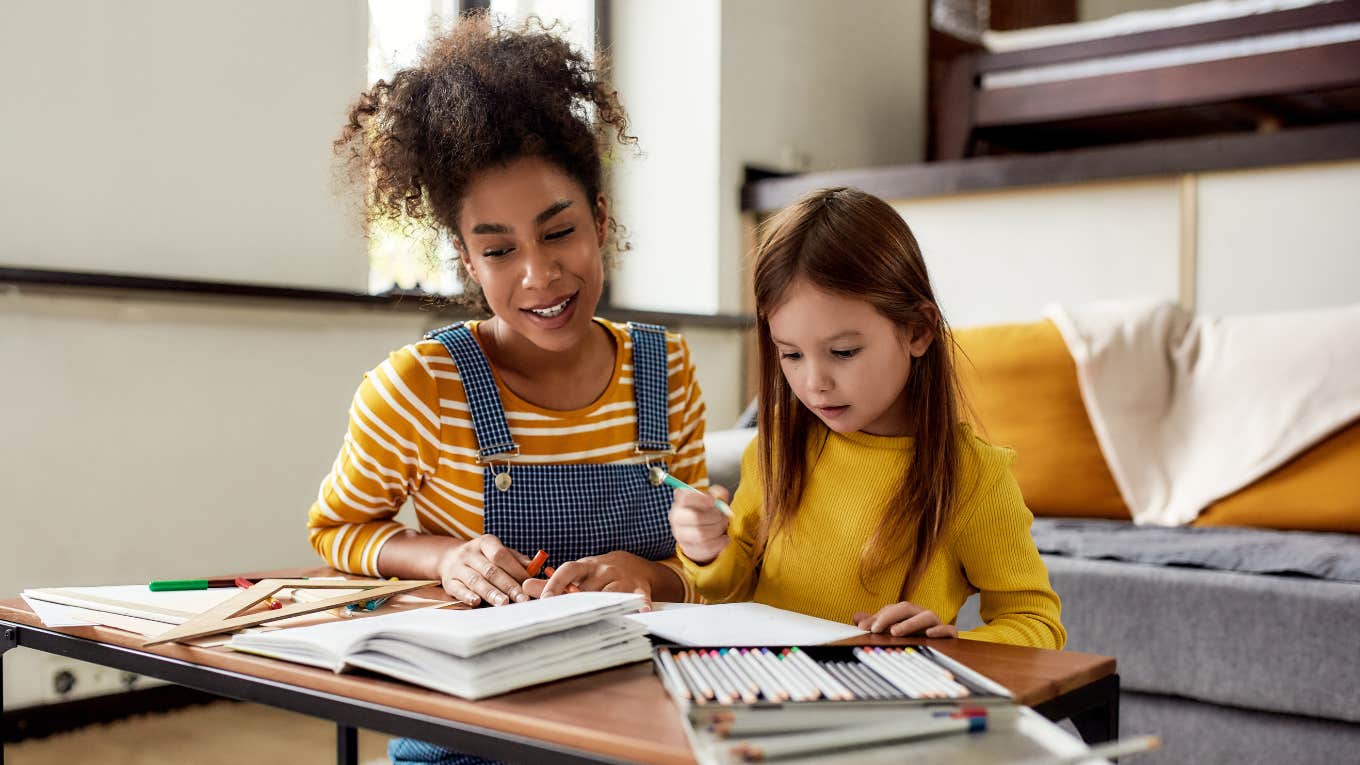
x: 532, y: 242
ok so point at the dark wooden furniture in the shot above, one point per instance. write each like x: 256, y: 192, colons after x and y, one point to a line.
x: 1261, y: 92
x: 618, y: 715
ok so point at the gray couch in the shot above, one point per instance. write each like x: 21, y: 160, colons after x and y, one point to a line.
x: 1234, y: 645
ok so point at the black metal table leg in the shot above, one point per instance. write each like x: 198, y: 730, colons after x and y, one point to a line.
x: 9, y: 638
x: 1092, y: 708
x: 346, y: 745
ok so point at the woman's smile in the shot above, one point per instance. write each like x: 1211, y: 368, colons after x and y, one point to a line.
x: 553, y: 314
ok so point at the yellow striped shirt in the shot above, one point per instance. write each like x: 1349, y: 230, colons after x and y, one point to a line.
x: 411, y: 436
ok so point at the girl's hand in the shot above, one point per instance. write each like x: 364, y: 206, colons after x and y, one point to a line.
x: 483, y: 569
x: 616, y: 571
x: 700, y: 528
x: 905, y: 618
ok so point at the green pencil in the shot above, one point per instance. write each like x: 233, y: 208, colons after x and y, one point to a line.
x: 676, y: 483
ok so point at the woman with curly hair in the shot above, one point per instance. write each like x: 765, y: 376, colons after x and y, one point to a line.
x: 541, y: 426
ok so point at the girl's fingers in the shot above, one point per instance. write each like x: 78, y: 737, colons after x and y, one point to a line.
x: 887, y: 616
x: 859, y: 618
x: 918, y: 623
x: 695, y: 508
x: 688, y: 538
x: 943, y: 631
x: 703, y: 550
x: 720, y: 492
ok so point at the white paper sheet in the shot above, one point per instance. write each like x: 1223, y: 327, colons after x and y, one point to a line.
x: 57, y: 615
x: 137, y: 600
x: 743, y: 624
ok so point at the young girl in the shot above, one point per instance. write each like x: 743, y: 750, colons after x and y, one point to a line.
x: 536, y: 428
x: 864, y: 499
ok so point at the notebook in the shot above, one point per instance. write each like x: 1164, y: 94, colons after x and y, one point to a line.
x: 471, y: 653
x: 747, y: 624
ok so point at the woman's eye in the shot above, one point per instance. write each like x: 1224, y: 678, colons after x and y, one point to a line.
x: 845, y: 354
x: 560, y: 234
x: 791, y: 356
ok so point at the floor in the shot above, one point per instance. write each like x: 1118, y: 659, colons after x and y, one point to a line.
x: 221, y: 733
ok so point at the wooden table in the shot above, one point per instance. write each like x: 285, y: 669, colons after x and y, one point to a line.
x: 617, y: 715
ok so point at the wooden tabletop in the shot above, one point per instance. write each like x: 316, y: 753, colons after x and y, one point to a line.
x: 622, y: 712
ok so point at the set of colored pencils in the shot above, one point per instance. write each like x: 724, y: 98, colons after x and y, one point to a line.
x: 746, y: 675
x: 926, y: 724
x: 728, y: 675
x: 912, y: 673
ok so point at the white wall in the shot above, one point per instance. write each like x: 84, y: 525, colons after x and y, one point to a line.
x: 809, y: 85
x: 147, y: 440
x: 1252, y: 241
x: 1277, y: 239
x: 796, y: 85
x: 666, y: 69
x: 150, y: 438
x: 1002, y: 256
x: 173, y: 138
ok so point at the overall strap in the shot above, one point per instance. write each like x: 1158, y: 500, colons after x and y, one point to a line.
x: 484, y: 401
x: 650, y: 387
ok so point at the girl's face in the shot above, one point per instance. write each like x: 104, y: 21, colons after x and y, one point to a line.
x: 532, y: 242
x: 845, y: 361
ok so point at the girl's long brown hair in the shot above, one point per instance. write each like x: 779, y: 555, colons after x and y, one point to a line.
x: 848, y: 242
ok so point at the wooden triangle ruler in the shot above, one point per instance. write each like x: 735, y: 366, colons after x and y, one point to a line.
x: 230, y: 616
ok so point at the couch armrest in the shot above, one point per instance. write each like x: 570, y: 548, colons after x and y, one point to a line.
x: 723, y: 449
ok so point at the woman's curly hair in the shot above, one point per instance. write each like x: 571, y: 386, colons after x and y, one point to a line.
x: 480, y: 96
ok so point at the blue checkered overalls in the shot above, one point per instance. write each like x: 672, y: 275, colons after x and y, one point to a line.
x: 572, y: 511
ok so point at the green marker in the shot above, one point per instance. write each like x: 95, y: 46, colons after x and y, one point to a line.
x: 171, y: 585
x: 676, y: 483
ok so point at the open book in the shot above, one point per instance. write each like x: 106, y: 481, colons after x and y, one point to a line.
x: 471, y: 653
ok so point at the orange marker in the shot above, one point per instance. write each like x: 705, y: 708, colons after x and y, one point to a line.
x: 549, y: 571
x: 540, y: 558
x: 246, y: 584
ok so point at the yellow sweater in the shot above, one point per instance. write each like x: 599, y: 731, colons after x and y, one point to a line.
x: 812, y: 566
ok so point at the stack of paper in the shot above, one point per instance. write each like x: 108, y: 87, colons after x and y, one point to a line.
x: 131, y: 607
x: 473, y: 653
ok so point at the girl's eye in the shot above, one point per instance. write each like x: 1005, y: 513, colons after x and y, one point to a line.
x: 845, y: 354
x: 560, y: 234
x: 791, y: 356
x: 496, y: 253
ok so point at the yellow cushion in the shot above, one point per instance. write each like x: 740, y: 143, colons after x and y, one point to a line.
x: 1022, y: 386
x: 1316, y: 491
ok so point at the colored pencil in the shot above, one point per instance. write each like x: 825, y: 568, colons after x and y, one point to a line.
x: 676, y: 483
x: 1108, y: 750
x: 855, y: 736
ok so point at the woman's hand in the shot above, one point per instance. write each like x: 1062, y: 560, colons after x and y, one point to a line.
x: 905, y: 618
x: 616, y: 571
x: 700, y: 528
x: 483, y: 569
